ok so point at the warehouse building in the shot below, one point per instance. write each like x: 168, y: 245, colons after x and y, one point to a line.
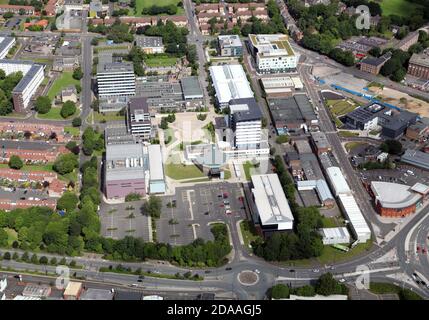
x: 320, y: 142
x: 116, y: 79
x: 335, y: 235
x: 337, y: 181
x: 416, y: 158
x: 230, y: 82
x: 321, y: 188
x: 281, y: 86
x: 357, y: 223
x: 396, y: 200
x: 272, y: 53
x: 292, y: 114
x: 33, y: 75
x: 272, y: 208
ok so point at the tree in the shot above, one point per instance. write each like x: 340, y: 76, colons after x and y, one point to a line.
x: 34, y: 259
x: 43, y: 260
x: 2, y: 74
x: 391, y: 146
x: 399, y: 75
x: 8, y: 15
x: 66, y: 163
x: 375, y: 52
x: 327, y: 285
x: 68, y: 109
x: 280, y: 291
x: 3, y: 238
x: 152, y: 207
x: 53, y: 261
x: 43, y: 104
x: 15, y: 162
x: 77, y: 122
x: 77, y: 73
x: 67, y: 202
x: 7, y: 255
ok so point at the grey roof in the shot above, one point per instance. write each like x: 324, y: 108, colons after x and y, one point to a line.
x: 118, y: 135
x: 417, y: 158
x: 137, y: 105
x: 115, y: 67
x: 320, y: 139
x: 24, y: 145
x: 367, y: 113
x: 27, y: 78
x: 232, y: 40
x: 191, y: 87
x: 420, y: 59
x: 398, y: 120
x: 118, y: 159
x: 292, y: 109
x: 245, y: 109
x: 97, y: 294
x: 6, y: 42
x: 128, y: 295
x: 145, y: 41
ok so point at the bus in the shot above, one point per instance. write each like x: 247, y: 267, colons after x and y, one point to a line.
x: 341, y: 247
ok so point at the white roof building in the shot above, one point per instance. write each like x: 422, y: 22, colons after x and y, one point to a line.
x: 230, y: 82
x: 394, y: 195
x: 335, y: 235
x: 337, y: 180
x: 156, y: 169
x: 281, y: 84
x: 355, y: 217
x: 271, y: 203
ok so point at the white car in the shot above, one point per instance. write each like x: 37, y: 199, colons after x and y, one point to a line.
x: 257, y: 271
x: 316, y: 270
x: 342, y: 280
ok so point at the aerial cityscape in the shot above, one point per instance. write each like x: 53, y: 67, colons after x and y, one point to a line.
x: 221, y: 150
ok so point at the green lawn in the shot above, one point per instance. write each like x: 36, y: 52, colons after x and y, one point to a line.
x: 180, y: 171
x: 227, y: 174
x: 332, y: 255
x: 65, y: 80
x: 54, y: 114
x: 342, y: 107
x: 348, y: 134
x: 389, y: 288
x: 74, y: 131
x: 330, y: 222
x: 247, y: 166
x: 107, y: 116
x: 248, y: 232
x: 401, y: 8
x: 160, y: 61
x: 140, y: 4
x: 351, y: 145
x: 12, y: 236
x: 36, y: 167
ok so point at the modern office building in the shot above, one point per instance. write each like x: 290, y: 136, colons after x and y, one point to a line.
x: 124, y: 170
x: 230, y: 82
x: 272, y: 53
x: 138, y: 118
x: 150, y: 45
x: 246, y: 123
x: 418, y: 66
x: 6, y: 43
x: 272, y: 208
x: 230, y: 45
x: 32, y: 77
x: 116, y: 79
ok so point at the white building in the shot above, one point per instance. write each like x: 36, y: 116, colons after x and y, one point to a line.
x: 230, y: 82
x: 156, y: 169
x: 281, y: 85
x: 273, y: 53
x: 246, y: 123
x: 150, y: 45
x: 335, y: 235
x: 272, y: 206
x: 355, y: 218
x: 32, y: 78
x: 3, y: 284
x: 116, y: 79
x: 337, y: 181
x: 6, y: 43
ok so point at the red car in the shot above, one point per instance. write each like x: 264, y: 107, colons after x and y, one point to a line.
x: 241, y: 199
x: 424, y: 251
x: 418, y: 249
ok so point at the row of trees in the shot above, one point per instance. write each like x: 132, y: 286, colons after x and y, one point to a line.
x: 92, y: 140
x: 157, y: 10
x: 118, y: 32
x: 326, y: 285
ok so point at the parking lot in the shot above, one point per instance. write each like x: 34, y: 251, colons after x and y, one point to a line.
x: 404, y: 174
x: 189, y: 214
x: 119, y: 221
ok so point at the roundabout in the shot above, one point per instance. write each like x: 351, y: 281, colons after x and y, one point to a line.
x: 248, y: 278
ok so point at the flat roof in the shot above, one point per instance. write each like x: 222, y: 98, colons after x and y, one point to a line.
x: 320, y: 139
x: 245, y: 109
x: 115, y: 67
x: 148, y: 42
x: 420, y: 59
x: 230, y: 82
x: 355, y: 216
x: 155, y: 162
x: 420, y: 188
x: 394, y: 195
x: 417, y: 158
x: 191, y: 87
x: 338, y: 181
x: 339, y: 232
x: 73, y: 288
x: 96, y: 294
x: 272, y: 44
x: 271, y: 202
x: 231, y: 40
x: 124, y: 161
